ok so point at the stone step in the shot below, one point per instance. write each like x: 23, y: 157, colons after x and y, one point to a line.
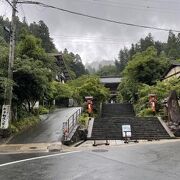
x: 142, y: 128
x: 117, y: 110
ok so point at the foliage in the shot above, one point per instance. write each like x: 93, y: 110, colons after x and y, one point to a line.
x: 34, y: 71
x: 43, y: 110
x: 170, y: 49
x: 41, y: 31
x: 144, y: 68
x: 74, y: 63
x: 123, y: 59
x: 89, y: 86
x: 108, y: 70
x: 31, y: 47
x: 127, y: 90
x: 31, y: 80
x: 146, y: 112
x: 60, y: 90
x: 23, y: 124
x: 83, y: 119
x: 161, y: 89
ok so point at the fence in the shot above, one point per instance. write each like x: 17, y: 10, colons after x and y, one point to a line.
x: 70, y: 124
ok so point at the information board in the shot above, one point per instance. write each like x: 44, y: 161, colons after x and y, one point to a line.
x: 5, y: 116
x: 126, y: 130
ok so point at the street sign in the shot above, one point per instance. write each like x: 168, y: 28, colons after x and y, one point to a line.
x: 126, y: 130
x: 5, y: 116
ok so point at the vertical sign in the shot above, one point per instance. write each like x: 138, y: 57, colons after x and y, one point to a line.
x: 126, y: 130
x: 5, y: 116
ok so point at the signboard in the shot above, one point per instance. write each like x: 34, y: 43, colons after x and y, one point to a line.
x: 5, y: 116
x: 126, y: 130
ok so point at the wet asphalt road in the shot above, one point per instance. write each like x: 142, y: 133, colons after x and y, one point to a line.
x: 47, y: 131
x: 136, y: 162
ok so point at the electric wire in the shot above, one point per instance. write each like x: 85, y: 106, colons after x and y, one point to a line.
x: 99, y: 18
x: 5, y: 10
x: 23, y: 12
x: 133, y: 6
x: 11, y: 5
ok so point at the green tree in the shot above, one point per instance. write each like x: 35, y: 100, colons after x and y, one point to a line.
x: 128, y: 90
x: 144, y: 68
x: 31, y: 47
x: 74, y: 64
x: 31, y: 82
x: 59, y: 90
x: 108, y: 70
x: 41, y: 31
x: 89, y: 86
x: 123, y: 59
x: 146, y: 42
x: 161, y: 89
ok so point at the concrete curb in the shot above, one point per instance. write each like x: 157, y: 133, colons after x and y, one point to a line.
x: 31, y: 148
x: 166, y: 127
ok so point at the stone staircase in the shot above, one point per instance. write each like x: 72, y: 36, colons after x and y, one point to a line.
x: 109, y: 125
x: 117, y: 110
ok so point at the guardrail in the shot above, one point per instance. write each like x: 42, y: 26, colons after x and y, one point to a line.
x: 69, y: 125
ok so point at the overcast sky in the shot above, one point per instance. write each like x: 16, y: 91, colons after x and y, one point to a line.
x: 96, y: 40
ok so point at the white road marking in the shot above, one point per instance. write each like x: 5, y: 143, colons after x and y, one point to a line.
x: 40, y: 157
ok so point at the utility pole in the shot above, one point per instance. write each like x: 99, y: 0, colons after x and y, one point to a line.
x: 6, y: 111
x: 8, y: 99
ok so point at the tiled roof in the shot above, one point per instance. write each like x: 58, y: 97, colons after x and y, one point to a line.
x: 106, y: 80
x: 174, y: 64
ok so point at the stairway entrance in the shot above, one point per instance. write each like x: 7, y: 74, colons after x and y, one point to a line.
x: 114, y: 116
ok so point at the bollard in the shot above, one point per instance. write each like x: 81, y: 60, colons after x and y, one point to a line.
x: 94, y: 144
x: 107, y: 143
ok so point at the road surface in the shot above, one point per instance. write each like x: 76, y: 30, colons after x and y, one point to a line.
x: 47, y: 131
x: 151, y: 161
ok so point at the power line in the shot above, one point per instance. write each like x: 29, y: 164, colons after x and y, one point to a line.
x: 86, y: 37
x: 98, y: 18
x: 11, y: 5
x: 133, y: 6
x: 156, y: 1
x: 5, y: 11
x: 89, y: 39
x: 23, y: 13
x: 94, y: 42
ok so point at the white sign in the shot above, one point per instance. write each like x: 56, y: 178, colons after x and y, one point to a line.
x: 126, y: 130
x: 5, y: 116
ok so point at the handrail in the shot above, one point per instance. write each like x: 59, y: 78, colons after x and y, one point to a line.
x: 69, y: 125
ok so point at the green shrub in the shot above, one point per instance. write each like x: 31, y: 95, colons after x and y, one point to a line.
x: 13, y: 129
x: 24, y: 123
x: 43, y: 110
x: 83, y: 119
x: 146, y: 112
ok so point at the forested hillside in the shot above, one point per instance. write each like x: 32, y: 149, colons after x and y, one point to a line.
x: 170, y: 50
x: 41, y: 32
x: 142, y: 67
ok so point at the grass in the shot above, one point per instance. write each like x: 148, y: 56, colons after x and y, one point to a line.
x: 24, y: 124
x: 83, y: 119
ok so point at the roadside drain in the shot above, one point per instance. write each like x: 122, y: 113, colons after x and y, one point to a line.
x: 33, y: 148
x: 55, y: 147
x: 100, y: 150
